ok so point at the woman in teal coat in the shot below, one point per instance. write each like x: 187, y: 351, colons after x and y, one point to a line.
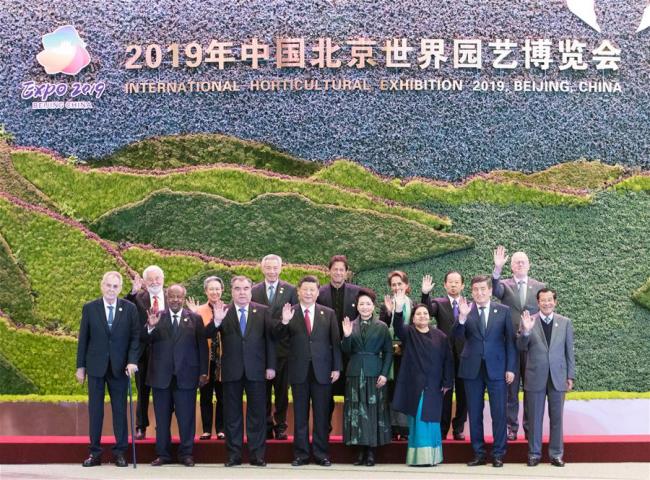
x: 366, y: 416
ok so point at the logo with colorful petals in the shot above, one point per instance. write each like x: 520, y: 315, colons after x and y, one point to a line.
x: 63, y: 52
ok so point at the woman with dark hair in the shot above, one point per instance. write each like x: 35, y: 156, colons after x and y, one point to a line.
x: 366, y: 417
x: 398, y: 282
x: 426, y: 373
x: 213, y: 287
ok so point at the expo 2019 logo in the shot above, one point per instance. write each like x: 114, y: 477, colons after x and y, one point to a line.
x: 63, y: 52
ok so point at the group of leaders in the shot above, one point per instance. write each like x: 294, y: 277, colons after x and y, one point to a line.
x: 396, y: 370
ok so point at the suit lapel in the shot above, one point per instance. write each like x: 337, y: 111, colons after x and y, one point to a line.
x: 252, y: 312
x: 118, y: 314
x: 481, y: 325
x: 555, y: 331
x: 539, y: 331
x: 102, y: 314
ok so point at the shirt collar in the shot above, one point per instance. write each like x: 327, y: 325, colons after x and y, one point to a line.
x: 268, y: 284
x: 548, y: 319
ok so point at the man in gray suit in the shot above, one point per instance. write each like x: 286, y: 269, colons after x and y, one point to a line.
x: 519, y: 293
x: 546, y: 338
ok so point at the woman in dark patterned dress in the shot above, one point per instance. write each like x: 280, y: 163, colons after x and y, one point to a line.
x: 366, y: 416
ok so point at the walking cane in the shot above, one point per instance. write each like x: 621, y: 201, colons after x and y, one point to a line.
x: 132, y: 422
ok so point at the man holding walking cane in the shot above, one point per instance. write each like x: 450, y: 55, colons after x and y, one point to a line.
x: 107, y: 353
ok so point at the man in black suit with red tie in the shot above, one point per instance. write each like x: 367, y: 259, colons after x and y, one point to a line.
x: 178, y: 364
x: 109, y: 337
x: 151, y: 297
x: 314, y: 364
x: 247, y: 361
x: 445, y: 310
x: 275, y: 293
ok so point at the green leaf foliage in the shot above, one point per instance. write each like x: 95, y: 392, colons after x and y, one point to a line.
x: 289, y: 225
x: 592, y: 256
x: 205, y: 149
x: 47, y: 361
x: 63, y: 266
x: 635, y: 183
x: 505, y: 191
x: 15, y: 298
x: 89, y: 194
x: 12, y: 381
x: 642, y: 295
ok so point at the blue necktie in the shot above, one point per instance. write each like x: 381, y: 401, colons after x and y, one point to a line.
x: 110, y: 316
x: 455, y: 308
x: 271, y: 293
x: 242, y: 320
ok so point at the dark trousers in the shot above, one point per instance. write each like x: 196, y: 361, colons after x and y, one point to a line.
x: 513, y: 397
x: 475, y: 390
x: 280, y: 385
x: 182, y: 402
x: 536, y: 401
x: 458, y: 423
x: 255, y: 418
x: 338, y: 388
x: 144, y: 390
x: 117, y: 389
x: 206, y: 393
x: 319, y: 396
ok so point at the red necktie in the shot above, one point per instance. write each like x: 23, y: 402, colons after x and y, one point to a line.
x: 155, y: 305
x: 307, y: 322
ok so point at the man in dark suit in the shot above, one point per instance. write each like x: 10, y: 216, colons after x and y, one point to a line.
x: 340, y: 296
x: 520, y: 294
x: 178, y: 364
x: 314, y: 364
x: 445, y: 310
x: 151, y: 297
x: 488, y: 360
x: 109, y: 337
x: 275, y: 293
x: 247, y: 361
x: 547, y: 340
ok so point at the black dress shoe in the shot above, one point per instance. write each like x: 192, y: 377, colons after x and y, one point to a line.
x: 459, y: 436
x: 258, y: 463
x: 497, y: 462
x: 233, y: 462
x: 299, y: 462
x: 557, y: 462
x: 281, y: 435
x: 188, y: 461
x: 324, y: 462
x: 120, y: 461
x: 533, y: 461
x: 512, y: 435
x: 140, y: 433
x: 370, y: 458
x: 361, y: 459
x: 269, y: 435
x: 476, y: 461
x: 92, y: 462
x: 159, y: 462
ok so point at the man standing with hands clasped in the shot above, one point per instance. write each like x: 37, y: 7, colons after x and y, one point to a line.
x: 546, y: 339
x: 314, y: 364
x: 247, y: 361
x: 487, y: 361
x: 109, y: 339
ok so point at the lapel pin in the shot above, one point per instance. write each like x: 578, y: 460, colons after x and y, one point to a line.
x: 495, y: 310
x: 556, y: 325
x: 353, y: 304
x: 119, y: 309
x: 321, y: 312
x: 254, y: 311
x: 185, y: 319
x: 282, y: 290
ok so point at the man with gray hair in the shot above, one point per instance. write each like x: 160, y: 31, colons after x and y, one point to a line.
x: 107, y: 352
x: 150, y: 298
x: 519, y: 293
x: 274, y: 293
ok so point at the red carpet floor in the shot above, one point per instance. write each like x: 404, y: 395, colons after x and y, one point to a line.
x: 53, y: 449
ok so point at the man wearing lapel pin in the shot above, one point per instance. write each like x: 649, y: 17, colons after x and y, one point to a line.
x: 314, y: 364
x: 546, y: 339
x: 446, y: 311
x: 275, y: 293
x: 520, y: 294
x: 109, y: 339
x: 487, y: 361
x: 247, y: 362
x: 178, y: 364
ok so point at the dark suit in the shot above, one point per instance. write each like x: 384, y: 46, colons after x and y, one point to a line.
x: 548, y: 367
x: 104, y: 352
x: 441, y: 308
x: 507, y: 291
x: 143, y: 303
x: 486, y: 356
x: 312, y: 359
x: 348, y: 308
x: 244, y: 361
x: 178, y: 357
x: 285, y: 293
